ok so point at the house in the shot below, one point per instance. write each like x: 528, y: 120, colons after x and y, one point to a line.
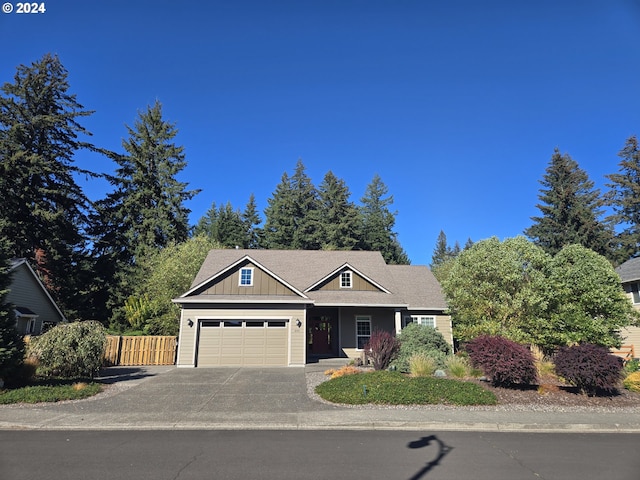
x: 35, y: 309
x: 629, y: 273
x: 287, y: 307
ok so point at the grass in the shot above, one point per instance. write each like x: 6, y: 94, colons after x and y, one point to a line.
x: 394, y: 388
x: 50, y: 390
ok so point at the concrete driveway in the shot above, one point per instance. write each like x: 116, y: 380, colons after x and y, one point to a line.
x: 200, y: 390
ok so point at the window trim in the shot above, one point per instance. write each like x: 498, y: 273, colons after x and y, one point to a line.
x: 346, y: 275
x: 240, y: 277
x: 416, y: 319
x: 362, y: 319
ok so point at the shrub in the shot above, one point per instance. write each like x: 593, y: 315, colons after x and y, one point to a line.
x: 632, y: 365
x: 422, y: 365
x: 632, y: 382
x: 342, y: 371
x: 415, y: 339
x: 506, y: 362
x: 589, y: 367
x: 457, y: 366
x: 394, y: 388
x: 70, y: 350
x: 382, y: 348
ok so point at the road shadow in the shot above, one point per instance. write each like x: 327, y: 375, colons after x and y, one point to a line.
x: 442, y: 450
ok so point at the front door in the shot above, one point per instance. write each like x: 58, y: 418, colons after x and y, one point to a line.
x: 320, y: 335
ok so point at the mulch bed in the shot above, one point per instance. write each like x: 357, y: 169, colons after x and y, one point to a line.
x: 553, y: 393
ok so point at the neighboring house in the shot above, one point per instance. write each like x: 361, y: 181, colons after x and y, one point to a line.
x: 35, y: 309
x: 629, y: 273
x: 285, y: 307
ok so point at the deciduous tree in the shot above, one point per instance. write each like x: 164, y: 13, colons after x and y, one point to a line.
x: 497, y: 288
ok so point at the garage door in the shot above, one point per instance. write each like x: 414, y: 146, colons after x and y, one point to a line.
x: 249, y: 343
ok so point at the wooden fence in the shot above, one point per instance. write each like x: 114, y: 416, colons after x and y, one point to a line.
x: 140, y: 350
x: 627, y: 352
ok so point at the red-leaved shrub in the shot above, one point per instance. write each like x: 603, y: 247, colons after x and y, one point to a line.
x: 504, y: 361
x: 589, y: 367
x: 382, y: 348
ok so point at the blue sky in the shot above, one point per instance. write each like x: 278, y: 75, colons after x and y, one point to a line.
x: 457, y: 105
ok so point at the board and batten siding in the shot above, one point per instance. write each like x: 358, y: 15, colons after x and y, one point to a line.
x: 26, y: 292
x: 263, y: 284
x: 189, y: 335
x: 357, y: 283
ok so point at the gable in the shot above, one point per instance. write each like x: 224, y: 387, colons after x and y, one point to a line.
x: 26, y: 291
x: 358, y: 282
x: 228, y: 283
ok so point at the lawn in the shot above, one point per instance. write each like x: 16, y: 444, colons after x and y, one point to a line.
x: 393, y: 388
x: 50, y: 390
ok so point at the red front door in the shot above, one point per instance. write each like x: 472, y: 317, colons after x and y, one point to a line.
x: 320, y: 336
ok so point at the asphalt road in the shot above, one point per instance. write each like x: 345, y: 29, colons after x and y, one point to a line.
x: 182, y: 455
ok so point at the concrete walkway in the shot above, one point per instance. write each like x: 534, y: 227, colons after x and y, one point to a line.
x: 275, y: 398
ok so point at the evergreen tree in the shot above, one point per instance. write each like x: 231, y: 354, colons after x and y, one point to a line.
x: 624, y: 198
x: 378, y: 222
x: 251, y: 220
x: 442, y: 251
x: 44, y: 208
x: 292, y: 216
x: 207, y: 225
x: 11, y: 344
x: 571, y: 209
x: 306, y: 210
x: 146, y: 211
x: 231, y: 228
x: 339, y: 225
x: 280, y: 222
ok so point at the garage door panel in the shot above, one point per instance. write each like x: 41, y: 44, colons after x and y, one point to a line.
x: 243, y: 343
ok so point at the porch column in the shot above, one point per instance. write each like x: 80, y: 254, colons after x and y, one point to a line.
x: 398, y: 318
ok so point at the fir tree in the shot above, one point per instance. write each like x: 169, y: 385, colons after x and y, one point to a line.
x: 231, y: 228
x: 44, y: 208
x: 378, y: 222
x: 292, y: 215
x: 146, y: 211
x: 571, y: 209
x: 624, y: 198
x: 280, y: 221
x: 251, y: 220
x: 339, y: 225
x: 208, y: 223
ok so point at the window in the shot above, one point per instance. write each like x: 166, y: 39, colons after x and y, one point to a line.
x: 424, y: 320
x: 634, y: 292
x: 31, y: 325
x: 250, y: 323
x: 363, y: 331
x: 210, y: 323
x: 246, y: 277
x: 345, y: 280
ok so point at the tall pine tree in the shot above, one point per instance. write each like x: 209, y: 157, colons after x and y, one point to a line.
x: 571, y: 209
x: 146, y: 211
x: 251, y: 220
x: 44, y: 209
x: 292, y: 215
x: 339, y: 228
x: 378, y: 222
x: 624, y: 198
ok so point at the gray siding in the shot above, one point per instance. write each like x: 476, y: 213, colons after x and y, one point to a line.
x: 27, y: 292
